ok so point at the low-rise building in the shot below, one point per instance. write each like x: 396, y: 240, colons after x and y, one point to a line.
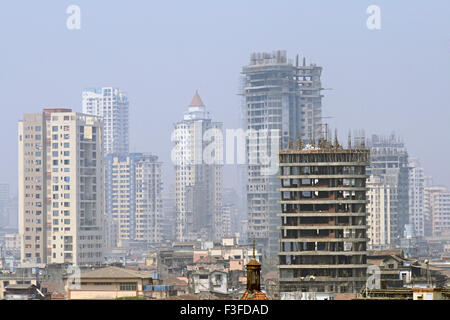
x: 24, y: 292
x: 12, y: 281
x: 109, y: 283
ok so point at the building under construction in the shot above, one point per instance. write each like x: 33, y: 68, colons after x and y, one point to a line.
x: 282, y: 97
x: 323, y: 219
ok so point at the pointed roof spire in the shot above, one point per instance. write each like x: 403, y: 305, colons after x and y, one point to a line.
x: 253, y: 291
x: 196, y: 101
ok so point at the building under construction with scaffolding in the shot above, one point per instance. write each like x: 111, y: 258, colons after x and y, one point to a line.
x: 323, y: 219
x: 282, y: 97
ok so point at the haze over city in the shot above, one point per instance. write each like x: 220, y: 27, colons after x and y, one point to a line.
x: 225, y: 150
x: 394, y: 79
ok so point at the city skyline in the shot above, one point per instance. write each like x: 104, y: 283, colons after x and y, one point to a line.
x: 211, y: 150
x: 362, y: 52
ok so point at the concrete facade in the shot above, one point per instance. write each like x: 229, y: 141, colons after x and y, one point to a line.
x: 61, y: 195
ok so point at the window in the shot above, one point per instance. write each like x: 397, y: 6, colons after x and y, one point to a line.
x: 55, y: 128
x: 127, y: 286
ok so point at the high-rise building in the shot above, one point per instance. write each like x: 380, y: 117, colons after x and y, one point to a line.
x: 416, y: 189
x: 437, y: 211
x: 112, y: 105
x: 61, y: 195
x: 169, y: 214
x: 282, y: 100
x: 134, y: 197
x: 4, y: 200
x: 389, y: 162
x: 323, y: 220
x: 198, y: 174
x: 379, y: 213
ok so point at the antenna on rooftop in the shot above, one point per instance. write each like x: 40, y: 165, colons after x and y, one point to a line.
x: 253, y: 248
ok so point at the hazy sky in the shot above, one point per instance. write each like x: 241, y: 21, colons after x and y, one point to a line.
x: 160, y: 52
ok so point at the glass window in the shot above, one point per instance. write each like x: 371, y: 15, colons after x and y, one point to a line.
x: 127, y: 286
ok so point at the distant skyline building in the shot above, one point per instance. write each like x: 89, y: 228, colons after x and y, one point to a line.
x: 61, y: 195
x: 198, y: 180
x: 4, y: 201
x: 389, y: 164
x: 437, y: 211
x: 112, y: 105
x: 134, y: 197
x: 379, y: 213
x: 169, y: 214
x: 416, y: 194
x: 284, y: 98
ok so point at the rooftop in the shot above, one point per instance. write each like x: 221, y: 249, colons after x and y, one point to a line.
x: 196, y: 101
x: 115, y: 272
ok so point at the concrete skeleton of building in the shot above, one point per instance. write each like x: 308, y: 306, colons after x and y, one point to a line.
x: 61, y: 195
x: 284, y: 97
x: 198, y: 183
x: 322, y: 246
x: 390, y: 186
x: 134, y: 197
x: 112, y: 105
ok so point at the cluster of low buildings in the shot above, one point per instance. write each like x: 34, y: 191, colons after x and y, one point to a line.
x: 193, y: 270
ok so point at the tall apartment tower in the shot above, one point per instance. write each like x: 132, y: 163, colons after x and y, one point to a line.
x: 134, y: 197
x: 437, y: 211
x: 389, y: 162
x: 61, y: 195
x: 416, y: 189
x: 379, y: 213
x: 323, y: 220
x: 112, y: 105
x: 198, y: 179
x: 282, y: 101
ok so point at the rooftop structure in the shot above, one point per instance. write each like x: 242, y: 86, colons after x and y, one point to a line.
x: 253, y: 291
